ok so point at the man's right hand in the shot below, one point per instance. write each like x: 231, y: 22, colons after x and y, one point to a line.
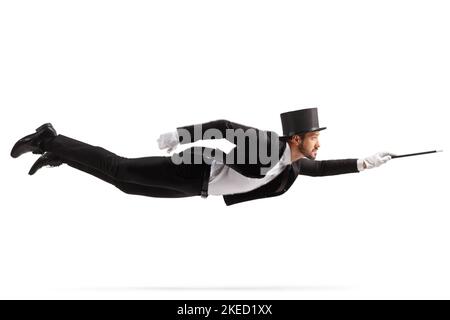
x: 374, y: 161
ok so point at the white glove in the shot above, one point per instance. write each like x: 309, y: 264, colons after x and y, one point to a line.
x: 374, y: 161
x: 169, y: 140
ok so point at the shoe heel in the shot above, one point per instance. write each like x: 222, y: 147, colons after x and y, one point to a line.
x: 48, y: 124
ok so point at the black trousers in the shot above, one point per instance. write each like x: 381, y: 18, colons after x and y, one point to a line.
x: 155, y: 176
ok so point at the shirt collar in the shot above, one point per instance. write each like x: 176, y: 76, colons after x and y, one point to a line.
x: 287, y: 154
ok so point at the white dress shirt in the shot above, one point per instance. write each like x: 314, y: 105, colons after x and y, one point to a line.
x: 225, y: 180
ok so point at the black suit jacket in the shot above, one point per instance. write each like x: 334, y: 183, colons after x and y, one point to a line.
x: 254, y: 166
x: 283, y: 181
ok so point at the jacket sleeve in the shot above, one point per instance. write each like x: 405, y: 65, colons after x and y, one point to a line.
x: 315, y: 168
x: 192, y: 133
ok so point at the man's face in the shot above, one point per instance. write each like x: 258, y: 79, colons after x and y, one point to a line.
x: 310, y: 145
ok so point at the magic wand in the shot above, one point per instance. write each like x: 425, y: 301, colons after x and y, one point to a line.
x: 414, y: 154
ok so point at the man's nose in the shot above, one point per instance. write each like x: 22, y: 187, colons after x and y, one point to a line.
x: 317, y: 144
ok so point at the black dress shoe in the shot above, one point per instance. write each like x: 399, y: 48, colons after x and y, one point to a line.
x: 33, y: 142
x: 47, y: 159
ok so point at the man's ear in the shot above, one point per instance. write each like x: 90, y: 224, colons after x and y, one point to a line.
x: 295, y: 139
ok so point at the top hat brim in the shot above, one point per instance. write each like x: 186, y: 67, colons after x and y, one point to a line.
x: 300, y: 132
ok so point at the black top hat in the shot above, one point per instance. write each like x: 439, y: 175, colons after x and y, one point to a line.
x: 300, y: 121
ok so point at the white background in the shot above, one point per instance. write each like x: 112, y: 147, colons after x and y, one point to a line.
x: 119, y: 73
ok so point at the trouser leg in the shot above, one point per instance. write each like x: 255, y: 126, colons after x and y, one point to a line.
x: 128, y: 187
x: 155, y: 176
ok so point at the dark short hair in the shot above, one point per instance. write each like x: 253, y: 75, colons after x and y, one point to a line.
x: 302, y: 135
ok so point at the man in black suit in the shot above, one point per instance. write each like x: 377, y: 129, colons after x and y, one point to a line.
x: 261, y: 165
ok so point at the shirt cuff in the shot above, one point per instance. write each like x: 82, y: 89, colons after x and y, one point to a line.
x: 360, y: 164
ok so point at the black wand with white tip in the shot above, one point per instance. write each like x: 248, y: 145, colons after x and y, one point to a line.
x: 414, y: 154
